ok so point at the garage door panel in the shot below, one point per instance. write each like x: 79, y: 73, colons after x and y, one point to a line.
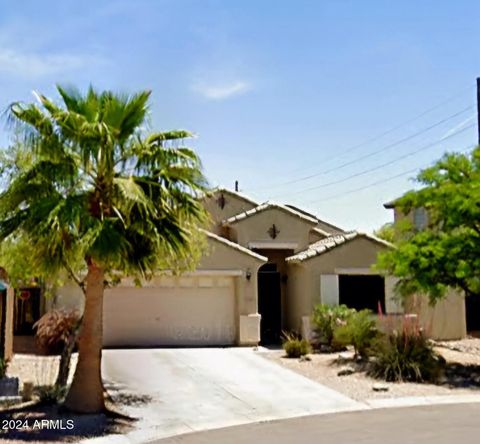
x: 187, y: 315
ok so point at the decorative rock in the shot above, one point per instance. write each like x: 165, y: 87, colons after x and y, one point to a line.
x: 379, y: 387
x: 305, y: 358
x: 345, y: 356
x: 345, y: 371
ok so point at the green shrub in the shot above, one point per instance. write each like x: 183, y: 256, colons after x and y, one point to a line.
x: 406, y: 355
x: 50, y: 394
x: 326, y: 319
x: 296, y: 347
x: 360, y: 330
x: 3, y: 367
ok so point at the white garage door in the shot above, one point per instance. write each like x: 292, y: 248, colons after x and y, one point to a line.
x: 171, y: 311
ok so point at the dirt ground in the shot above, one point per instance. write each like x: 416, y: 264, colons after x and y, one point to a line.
x: 462, y: 375
x: 23, y: 423
x: 43, y: 423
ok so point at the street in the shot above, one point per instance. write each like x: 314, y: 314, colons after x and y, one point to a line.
x: 441, y: 424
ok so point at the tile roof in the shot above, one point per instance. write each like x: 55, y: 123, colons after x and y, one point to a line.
x: 233, y: 245
x: 329, y: 243
x: 237, y: 194
x: 268, y: 206
x: 321, y: 232
x: 321, y: 221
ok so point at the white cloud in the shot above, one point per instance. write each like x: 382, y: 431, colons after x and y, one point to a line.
x: 222, y: 91
x: 33, y: 65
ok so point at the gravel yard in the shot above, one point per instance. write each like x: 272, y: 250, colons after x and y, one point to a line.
x: 462, y: 376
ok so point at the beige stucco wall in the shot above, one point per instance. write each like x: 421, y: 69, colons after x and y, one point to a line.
x: 313, y: 236
x: 223, y: 257
x: 300, y: 296
x: 445, y: 320
x: 233, y: 205
x: 304, y: 277
x: 292, y: 229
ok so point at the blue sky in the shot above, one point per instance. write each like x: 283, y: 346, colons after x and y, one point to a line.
x: 277, y: 91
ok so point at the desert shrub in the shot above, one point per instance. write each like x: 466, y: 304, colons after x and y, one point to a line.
x: 360, y: 330
x: 3, y: 367
x: 50, y: 394
x: 54, y: 329
x: 295, y: 347
x: 406, y: 354
x: 326, y: 319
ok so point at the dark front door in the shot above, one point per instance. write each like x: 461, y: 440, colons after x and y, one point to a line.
x: 472, y: 311
x: 269, y: 304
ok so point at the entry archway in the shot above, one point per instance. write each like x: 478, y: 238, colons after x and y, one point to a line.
x: 270, y: 304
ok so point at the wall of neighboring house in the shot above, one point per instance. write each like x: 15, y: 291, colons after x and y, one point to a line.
x: 446, y: 319
x: 290, y: 229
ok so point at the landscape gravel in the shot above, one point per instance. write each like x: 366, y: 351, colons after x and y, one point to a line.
x: 324, y: 369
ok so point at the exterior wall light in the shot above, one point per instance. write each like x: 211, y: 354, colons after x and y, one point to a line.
x: 248, y: 274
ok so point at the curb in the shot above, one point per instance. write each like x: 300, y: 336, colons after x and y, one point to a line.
x: 414, y: 401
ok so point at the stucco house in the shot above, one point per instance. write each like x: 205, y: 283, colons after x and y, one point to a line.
x: 267, y: 265
x: 454, y: 316
x: 265, y: 268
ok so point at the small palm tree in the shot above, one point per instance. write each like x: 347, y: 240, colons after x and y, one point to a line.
x: 101, y: 197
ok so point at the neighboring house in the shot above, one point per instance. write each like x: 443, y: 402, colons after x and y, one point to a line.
x: 266, y: 267
x: 452, y: 317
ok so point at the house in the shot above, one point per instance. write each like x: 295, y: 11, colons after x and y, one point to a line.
x: 267, y: 265
x: 450, y: 318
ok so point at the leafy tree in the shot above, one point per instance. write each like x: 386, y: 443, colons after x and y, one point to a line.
x: 101, y: 197
x: 386, y: 232
x: 445, y: 254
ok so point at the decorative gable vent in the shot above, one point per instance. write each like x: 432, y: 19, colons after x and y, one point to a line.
x: 221, y: 201
x: 273, y: 231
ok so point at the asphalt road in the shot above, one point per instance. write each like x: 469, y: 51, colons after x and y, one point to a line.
x: 441, y: 424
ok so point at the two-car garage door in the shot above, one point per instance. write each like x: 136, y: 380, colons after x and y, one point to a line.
x: 171, y: 311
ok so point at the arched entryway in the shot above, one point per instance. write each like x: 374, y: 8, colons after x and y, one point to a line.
x: 269, y: 304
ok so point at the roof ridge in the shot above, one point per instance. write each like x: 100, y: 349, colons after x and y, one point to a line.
x: 233, y: 245
x: 264, y: 206
x: 235, y: 193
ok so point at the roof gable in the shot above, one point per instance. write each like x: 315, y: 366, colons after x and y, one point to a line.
x: 233, y: 245
x: 265, y: 207
x: 236, y: 194
x: 329, y: 243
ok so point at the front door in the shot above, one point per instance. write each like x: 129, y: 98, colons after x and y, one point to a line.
x: 269, y: 304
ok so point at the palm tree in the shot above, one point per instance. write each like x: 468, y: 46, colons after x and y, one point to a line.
x: 102, y: 197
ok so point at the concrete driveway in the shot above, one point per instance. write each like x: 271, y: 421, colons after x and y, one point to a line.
x: 199, y: 389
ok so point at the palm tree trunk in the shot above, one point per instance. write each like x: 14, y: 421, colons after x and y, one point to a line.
x: 86, y: 392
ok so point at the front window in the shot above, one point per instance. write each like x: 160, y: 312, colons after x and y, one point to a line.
x: 420, y: 218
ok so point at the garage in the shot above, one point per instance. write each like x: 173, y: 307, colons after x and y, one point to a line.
x: 171, y: 311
